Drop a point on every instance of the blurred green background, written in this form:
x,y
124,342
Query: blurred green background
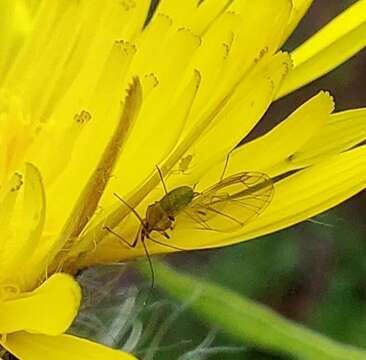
x,y
313,273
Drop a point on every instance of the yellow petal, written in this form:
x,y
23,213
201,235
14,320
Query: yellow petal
x,y
312,135
34,70
35,347
34,211
49,309
15,25
341,132
297,129
266,16
9,195
82,68
70,134
242,45
269,18
151,43
19,244
179,11
206,13
212,60
159,112
241,113
26,240
88,200
284,140
230,50
299,9
150,149
73,136
333,44
91,28
310,192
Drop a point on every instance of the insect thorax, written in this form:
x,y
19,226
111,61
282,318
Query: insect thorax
x,y
157,218
176,200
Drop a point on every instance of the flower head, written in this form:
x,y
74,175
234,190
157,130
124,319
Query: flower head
x,y
210,79
36,305
94,115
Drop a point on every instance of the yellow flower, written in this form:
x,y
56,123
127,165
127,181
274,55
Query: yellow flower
x,y
34,312
36,306
199,78
208,74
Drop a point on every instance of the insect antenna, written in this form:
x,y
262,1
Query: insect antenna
x,y
152,272
162,179
133,245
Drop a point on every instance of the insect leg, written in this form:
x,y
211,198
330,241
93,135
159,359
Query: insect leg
x,y
225,166
121,238
166,245
139,231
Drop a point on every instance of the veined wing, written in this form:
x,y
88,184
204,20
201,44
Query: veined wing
x,y
229,204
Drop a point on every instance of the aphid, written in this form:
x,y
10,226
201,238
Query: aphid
x,y
225,206
160,216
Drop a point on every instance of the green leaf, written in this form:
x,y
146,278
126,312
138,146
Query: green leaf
x,y
249,321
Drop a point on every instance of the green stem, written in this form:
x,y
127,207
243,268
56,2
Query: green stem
x,y
249,321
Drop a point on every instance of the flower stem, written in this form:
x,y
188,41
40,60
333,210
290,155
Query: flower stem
x,y
251,322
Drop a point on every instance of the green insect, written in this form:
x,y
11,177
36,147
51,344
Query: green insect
x,y
160,216
223,207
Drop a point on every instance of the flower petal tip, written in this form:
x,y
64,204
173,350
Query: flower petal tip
x,y
329,97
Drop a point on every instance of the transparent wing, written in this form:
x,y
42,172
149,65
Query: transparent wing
x,y
229,204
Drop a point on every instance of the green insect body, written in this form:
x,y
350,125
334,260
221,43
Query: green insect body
x,y
160,216
177,199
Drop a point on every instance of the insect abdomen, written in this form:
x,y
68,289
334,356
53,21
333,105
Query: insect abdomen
x,y
177,199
